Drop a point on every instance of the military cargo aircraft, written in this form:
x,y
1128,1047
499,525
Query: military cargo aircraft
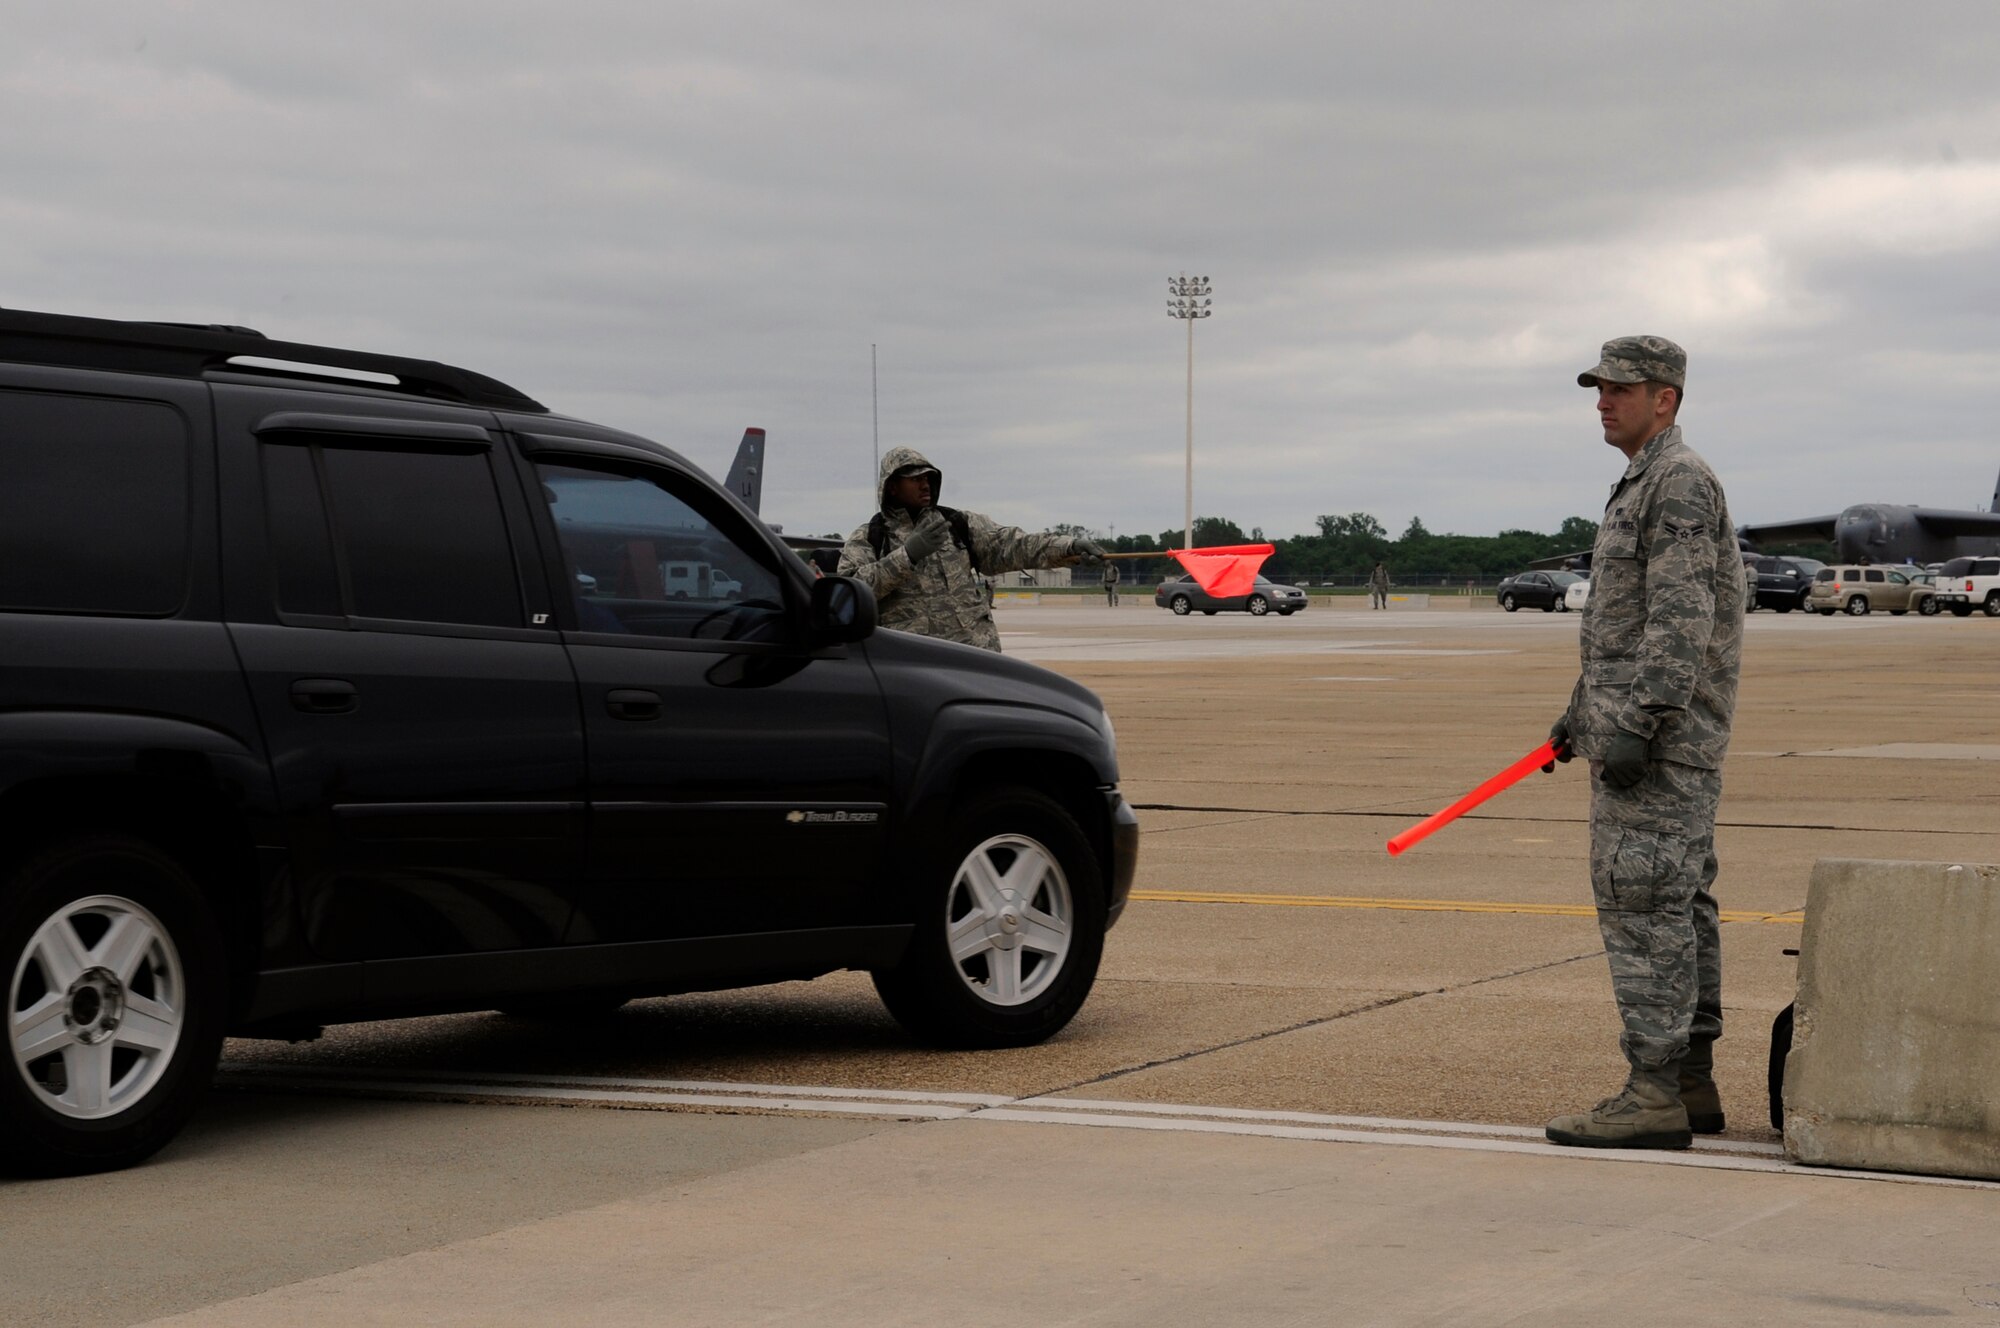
x,y
1866,533
1891,532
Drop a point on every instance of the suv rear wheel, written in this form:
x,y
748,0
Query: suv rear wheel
x,y
1010,928
113,1006
1993,604
1928,606
1857,605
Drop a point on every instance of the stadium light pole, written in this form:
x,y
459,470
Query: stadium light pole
x,y
1190,301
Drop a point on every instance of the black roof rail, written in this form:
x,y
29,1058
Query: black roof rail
x,y
195,350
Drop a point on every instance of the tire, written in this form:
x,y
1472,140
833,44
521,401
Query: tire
x,y
1180,604
1961,610
1784,608
1992,604
1897,613
1286,613
1257,606
1928,606
1549,607
1781,1047
1826,613
1015,879
1208,613
1857,606
123,930
1509,603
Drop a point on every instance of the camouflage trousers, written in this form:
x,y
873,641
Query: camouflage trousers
x,y
1652,863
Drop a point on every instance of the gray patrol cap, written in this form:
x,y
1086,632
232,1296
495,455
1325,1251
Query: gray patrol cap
x,y
1638,360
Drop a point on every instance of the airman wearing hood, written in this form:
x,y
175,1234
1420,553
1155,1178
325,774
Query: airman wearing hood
x,y
919,558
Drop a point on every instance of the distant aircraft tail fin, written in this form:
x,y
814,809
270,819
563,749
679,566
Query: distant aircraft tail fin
x,y
746,472
1996,497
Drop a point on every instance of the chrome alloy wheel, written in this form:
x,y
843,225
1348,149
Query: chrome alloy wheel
x,y
95,1007
1009,920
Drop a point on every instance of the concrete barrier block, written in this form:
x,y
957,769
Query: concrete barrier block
x,y
1895,1060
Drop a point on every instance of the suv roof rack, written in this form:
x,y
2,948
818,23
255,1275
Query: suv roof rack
x,y
194,350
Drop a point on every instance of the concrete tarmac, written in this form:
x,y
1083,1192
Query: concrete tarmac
x,y
1461,987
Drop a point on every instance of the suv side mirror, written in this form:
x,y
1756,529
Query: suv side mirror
x,y
841,609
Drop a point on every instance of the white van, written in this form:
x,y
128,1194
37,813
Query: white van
x,y
685,580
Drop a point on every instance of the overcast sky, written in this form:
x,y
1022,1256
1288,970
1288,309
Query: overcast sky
x,y
1420,220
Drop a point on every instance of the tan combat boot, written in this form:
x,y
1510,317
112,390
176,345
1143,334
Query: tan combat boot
x,y
1697,1088
1647,1114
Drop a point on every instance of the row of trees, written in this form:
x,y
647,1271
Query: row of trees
x,y
1349,546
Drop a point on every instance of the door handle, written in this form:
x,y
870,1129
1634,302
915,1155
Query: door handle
x,y
325,696
632,703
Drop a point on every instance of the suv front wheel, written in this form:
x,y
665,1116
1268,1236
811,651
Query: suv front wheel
x,y
114,993
1010,928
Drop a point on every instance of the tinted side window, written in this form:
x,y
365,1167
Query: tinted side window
x,y
422,536
1986,567
1872,574
302,565
644,556
1826,574
93,504
1956,567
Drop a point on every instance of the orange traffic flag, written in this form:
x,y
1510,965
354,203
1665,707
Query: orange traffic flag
x,y
1226,569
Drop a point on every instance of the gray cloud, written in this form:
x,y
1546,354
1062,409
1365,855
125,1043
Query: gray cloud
x,y
1421,220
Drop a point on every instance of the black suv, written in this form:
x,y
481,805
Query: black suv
x,y
340,686
1782,583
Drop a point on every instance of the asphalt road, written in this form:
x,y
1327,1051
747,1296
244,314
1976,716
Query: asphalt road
x,y
1283,999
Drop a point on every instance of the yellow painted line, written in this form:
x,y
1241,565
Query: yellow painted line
x,y
1420,905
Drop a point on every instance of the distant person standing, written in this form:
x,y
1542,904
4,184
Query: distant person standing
x,y
1378,587
1661,640
1110,584
923,561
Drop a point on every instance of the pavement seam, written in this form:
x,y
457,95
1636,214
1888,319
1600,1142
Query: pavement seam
x,y
1382,1004
1263,813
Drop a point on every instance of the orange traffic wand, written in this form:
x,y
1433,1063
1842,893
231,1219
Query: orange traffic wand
x,y
1507,778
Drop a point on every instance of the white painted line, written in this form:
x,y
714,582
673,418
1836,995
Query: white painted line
x,y
407,1088
257,1068
1650,1156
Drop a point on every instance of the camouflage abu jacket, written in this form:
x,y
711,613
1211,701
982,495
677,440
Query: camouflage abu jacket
x,y
1662,631
939,597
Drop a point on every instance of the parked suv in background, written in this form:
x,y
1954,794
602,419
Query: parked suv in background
x,y
1852,589
1965,584
1784,584
328,700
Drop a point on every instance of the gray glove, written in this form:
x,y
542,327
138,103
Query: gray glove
x,y
1625,759
1084,548
929,536
1559,735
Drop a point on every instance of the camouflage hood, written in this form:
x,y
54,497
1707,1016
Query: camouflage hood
x,y
895,459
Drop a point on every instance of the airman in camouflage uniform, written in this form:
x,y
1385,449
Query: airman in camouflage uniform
x,y
1662,635
920,562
